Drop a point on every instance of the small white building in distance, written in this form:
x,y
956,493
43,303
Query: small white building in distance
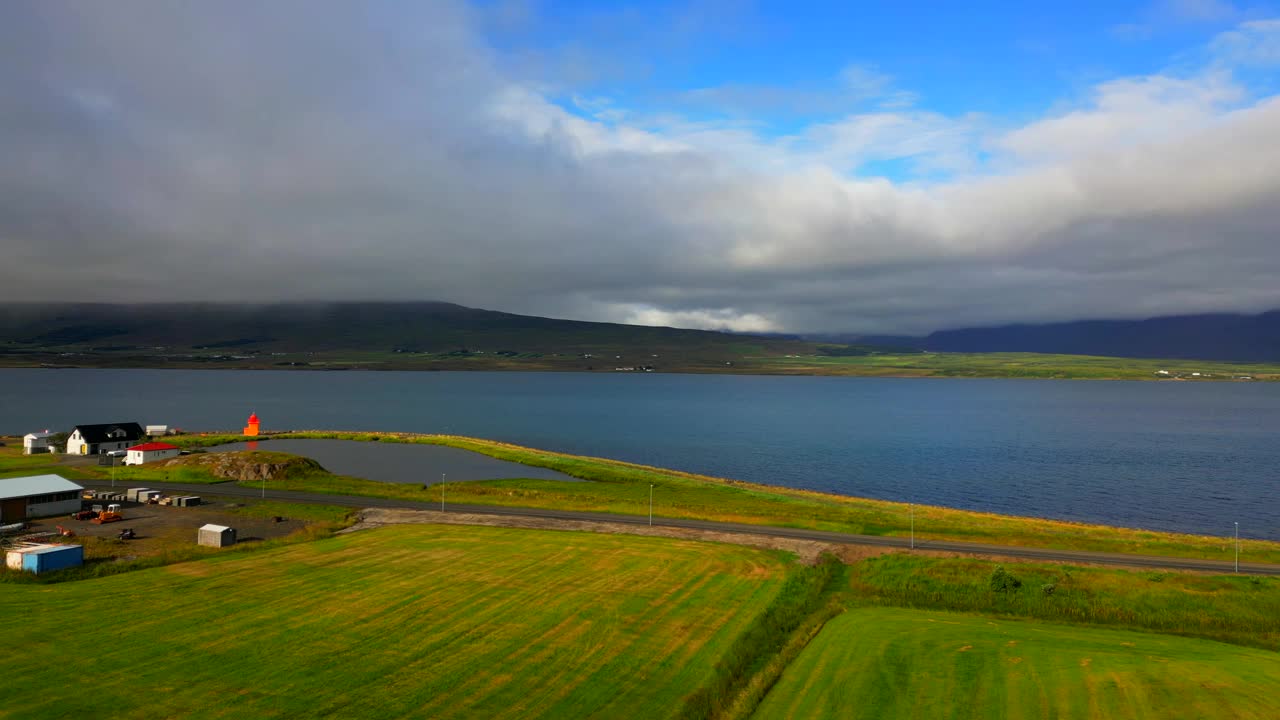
x,y
36,442
37,496
157,430
217,536
150,452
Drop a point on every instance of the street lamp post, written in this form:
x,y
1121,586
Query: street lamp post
x,y
1237,546
651,504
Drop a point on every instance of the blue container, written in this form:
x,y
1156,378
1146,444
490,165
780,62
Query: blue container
x,y
53,558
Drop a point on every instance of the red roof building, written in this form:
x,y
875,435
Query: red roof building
x,y
150,452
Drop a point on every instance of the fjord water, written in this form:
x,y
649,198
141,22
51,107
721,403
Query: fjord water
x,y
1185,457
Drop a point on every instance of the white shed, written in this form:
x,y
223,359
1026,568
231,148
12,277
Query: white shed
x,y
36,442
217,535
157,430
150,452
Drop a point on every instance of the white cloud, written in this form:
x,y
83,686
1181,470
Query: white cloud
x,y
1254,43
702,319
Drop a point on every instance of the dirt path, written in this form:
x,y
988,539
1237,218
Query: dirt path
x,y
807,550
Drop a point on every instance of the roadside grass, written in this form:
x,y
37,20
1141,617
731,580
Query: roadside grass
x,y
1243,610
899,663
14,464
623,488
404,621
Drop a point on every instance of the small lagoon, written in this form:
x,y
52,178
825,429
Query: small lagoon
x,y
400,462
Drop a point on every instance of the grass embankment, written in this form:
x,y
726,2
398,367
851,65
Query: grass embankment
x,y
623,488
891,663
407,621
1231,608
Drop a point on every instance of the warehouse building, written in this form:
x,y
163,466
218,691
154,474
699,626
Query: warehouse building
x,y
37,496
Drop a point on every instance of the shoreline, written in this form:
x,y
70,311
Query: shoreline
x,y
890,517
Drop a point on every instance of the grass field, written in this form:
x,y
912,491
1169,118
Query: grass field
x,y
405,621
895,663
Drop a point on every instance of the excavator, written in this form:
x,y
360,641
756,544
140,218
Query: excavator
x,y
110,515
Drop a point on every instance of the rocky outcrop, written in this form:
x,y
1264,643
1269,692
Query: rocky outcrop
x,y
249,466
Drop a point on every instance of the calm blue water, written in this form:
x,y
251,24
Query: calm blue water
x,y
1189,457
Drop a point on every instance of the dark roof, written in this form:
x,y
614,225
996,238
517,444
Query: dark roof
x,y
103,433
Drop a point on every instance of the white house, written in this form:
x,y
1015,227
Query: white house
x,y
150,452
37,496
36,442
98,439
157,430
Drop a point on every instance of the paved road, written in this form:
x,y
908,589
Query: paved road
x,y
1067,556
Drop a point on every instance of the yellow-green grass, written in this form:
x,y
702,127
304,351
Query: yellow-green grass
x,y
1230,608
621,487
896,663
404,621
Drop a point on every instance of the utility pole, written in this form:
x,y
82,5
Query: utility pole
x,y
650,504
441,492
912,508
1237,546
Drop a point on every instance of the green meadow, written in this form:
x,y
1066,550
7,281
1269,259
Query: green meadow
x,y
405,621
896,663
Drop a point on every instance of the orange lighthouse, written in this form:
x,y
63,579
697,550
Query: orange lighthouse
x,y
252,428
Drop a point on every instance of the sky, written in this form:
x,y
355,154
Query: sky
x,y
862,167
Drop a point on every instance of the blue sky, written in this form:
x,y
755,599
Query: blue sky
x,y
778,67
841,167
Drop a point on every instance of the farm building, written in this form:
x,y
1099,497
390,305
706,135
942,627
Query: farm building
x,y
217,535
37,496
36,558
36,442
98,439
157,430
150,452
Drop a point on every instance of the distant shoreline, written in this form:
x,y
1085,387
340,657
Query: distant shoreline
x,y
1028,366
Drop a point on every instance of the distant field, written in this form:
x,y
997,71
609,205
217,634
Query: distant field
x,y
893,663
1011,365
407,621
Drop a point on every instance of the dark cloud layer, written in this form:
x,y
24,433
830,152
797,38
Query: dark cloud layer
x,y
307,150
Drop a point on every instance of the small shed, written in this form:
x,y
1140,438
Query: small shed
x,y
150,452
217,536
36,442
